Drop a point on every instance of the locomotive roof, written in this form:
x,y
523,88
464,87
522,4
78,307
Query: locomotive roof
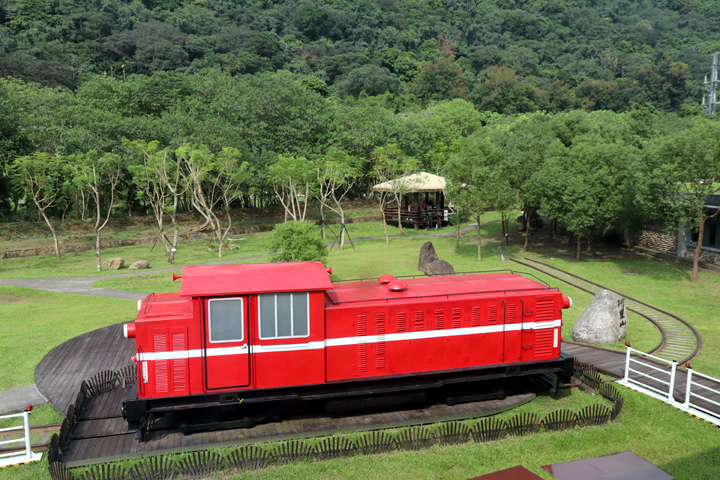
x,y
214,280
503,283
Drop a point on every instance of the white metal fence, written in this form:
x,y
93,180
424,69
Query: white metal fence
x,y
658,379
26,456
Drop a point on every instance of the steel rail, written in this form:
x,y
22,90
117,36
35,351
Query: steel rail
x,y
678,336
37,446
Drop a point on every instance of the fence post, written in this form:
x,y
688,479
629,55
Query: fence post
x,y
673,367
627,363
26,420
688,387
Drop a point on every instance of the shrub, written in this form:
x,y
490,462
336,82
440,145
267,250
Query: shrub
x,y
297,242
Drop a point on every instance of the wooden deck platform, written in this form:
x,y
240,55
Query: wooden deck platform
x,y
59,374
107,438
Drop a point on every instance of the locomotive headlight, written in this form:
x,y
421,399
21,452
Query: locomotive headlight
x,y
139,305
567,302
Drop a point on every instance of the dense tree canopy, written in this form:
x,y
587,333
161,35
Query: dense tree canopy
x,y
568,107
520,54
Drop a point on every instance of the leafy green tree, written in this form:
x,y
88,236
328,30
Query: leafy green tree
x,y
504,92
43,174
684,170
583,182
99,175
440,80
392,166
312,21
371,79
524,144
290,178
297,242
213,179
471,182
157,173
336,176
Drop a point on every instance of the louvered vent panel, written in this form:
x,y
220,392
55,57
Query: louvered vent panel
x,y
439,319
380,329
179,365
475,316
362,346
544,310
160,344
492,315
401,321
512,313
419,319
362,325
456,318
544,343
362,357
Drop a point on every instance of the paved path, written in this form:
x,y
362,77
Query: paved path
x,y
84,285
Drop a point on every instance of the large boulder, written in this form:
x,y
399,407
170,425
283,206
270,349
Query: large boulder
x,y
604,321
113,263
439,267
140,265
427,256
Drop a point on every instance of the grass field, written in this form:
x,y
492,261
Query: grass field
x,y
34,322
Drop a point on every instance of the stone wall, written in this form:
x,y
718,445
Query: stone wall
x,y
655,238
708,256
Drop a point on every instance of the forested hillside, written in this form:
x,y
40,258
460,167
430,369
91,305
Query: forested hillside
x,y
504,55
588,109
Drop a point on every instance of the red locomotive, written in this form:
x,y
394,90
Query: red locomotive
x,y
240,338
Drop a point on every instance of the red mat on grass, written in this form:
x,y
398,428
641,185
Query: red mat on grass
x,y
621,466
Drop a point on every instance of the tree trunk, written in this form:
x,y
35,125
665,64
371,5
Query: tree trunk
x,y
382,212
479,239
552,223
342,230
399,213
97,250
54,234
577,252
173,249
527,228
698,248
322,220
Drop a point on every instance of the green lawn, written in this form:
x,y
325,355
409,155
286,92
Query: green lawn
x,y
34,322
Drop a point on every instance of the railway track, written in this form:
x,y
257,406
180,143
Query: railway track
x,y
44,430
680,341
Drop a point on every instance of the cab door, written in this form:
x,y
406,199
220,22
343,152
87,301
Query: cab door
x,y
226,347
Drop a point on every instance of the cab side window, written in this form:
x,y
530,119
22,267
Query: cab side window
x,y
226,320
283,315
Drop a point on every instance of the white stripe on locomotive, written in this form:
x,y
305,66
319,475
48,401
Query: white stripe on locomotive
x,y
347,341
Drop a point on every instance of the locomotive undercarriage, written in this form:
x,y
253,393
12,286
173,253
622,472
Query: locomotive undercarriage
x,y
244,408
